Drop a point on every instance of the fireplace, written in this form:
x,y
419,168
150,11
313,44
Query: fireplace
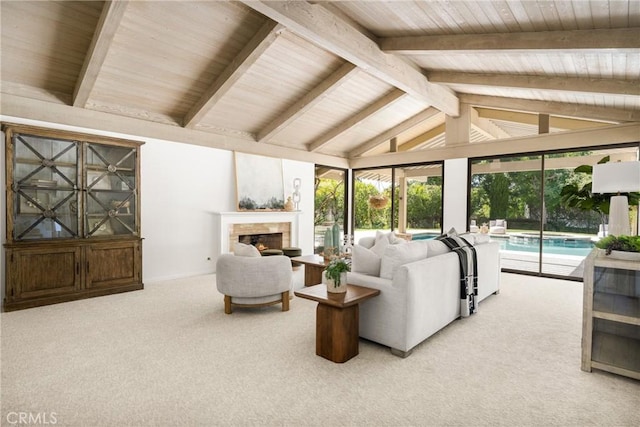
x,y
232,226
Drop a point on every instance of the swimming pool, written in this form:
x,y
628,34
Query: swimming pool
x,y
558,244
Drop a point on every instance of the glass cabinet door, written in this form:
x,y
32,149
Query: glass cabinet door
x,y
45,190
111,188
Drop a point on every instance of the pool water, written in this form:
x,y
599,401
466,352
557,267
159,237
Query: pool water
x,y
547,248
530,242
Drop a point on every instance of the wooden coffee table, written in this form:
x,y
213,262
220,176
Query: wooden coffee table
x,y
337,319
313,267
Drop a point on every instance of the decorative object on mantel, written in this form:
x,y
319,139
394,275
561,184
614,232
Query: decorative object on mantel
x,y
288,205
336,275
259,183
620,247
297,182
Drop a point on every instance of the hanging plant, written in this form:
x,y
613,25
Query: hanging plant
x,y
378,201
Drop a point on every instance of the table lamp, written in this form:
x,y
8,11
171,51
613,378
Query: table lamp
x,y
617,177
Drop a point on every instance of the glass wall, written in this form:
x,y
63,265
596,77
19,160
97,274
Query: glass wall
x,y
330,203
540,207
407,200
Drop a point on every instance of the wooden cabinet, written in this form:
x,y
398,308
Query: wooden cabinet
x,y
73,222
611,315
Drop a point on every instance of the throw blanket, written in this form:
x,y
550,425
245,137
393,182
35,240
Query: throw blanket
x,y
468,272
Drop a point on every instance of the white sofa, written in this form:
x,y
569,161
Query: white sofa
x,y
422,296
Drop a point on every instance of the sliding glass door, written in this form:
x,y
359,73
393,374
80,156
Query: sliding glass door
x,y
330,203
526,204
403,199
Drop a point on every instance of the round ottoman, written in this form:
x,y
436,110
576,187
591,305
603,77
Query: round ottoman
x,y
270,252
293,252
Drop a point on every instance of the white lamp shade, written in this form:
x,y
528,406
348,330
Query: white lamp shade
x,y
616,177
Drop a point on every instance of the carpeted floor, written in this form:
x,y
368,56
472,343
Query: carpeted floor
x,y
168,355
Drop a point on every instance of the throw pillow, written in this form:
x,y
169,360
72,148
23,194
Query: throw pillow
x,y
499,222
470,238
452,232
436,247
397,255
365,261
242,249
382,241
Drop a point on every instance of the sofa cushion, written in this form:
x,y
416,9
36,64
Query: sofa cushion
x,y
242,249
480,238
365,261
397,255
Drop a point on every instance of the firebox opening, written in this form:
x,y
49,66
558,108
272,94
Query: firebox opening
x,y
262,241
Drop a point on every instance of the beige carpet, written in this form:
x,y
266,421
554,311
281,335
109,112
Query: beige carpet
x,y
169,355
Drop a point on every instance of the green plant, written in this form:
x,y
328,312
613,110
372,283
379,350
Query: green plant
x,y
336,267
619,243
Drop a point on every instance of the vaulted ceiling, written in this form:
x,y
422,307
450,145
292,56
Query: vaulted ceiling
x,y
343,78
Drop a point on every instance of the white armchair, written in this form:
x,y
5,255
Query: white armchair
x,y
498,226
254,281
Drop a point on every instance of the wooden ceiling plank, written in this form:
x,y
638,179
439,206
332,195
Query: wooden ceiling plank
x,y
554,108
249,54
357,118
393,132
313,97
588,85
112,13
422,139
321,27
607,39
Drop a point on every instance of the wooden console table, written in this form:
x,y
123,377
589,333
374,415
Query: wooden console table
x,y
313,267
337,319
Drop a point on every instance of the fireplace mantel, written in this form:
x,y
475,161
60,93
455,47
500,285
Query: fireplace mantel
x,y
225,220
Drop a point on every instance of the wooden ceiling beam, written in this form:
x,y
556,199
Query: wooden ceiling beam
x,y
249,54
578,139
112,13
608,39
570,84
533,119
357,118
311,98
486,127
322,28
393,132
554,108
423,139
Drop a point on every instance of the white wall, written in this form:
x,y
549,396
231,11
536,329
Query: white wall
x,y
455,195
181,186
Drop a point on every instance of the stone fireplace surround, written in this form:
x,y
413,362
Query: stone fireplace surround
x,y
230,225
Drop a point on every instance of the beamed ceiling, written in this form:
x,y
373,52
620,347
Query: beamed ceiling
x,y
323,80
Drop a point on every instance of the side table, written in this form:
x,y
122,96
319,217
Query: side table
x,y
313,267
337,319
